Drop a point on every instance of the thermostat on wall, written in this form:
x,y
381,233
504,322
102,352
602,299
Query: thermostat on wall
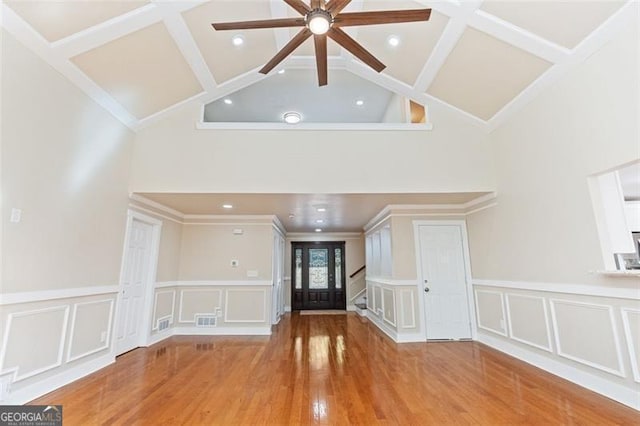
x,y
238,231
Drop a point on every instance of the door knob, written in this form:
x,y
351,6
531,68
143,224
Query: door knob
x,y
426,289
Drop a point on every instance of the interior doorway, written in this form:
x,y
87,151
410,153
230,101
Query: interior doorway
x,y
138,272
318,275
443,270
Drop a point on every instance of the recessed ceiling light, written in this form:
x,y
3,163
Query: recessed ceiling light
x,y
228,101
393,41
281,72
321,209
318,230
319,221
292,117
237,40
227,206
359,102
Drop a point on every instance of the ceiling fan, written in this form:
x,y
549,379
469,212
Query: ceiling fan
x,y
322,19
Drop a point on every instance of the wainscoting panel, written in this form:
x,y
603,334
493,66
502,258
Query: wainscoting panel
x,y
407,309
587,333
389,305
571,330
34,341
90,328
246,305
377,299
201,301
527,320
164,307
490,311
631,321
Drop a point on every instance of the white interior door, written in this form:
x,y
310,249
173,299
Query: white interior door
x,y
134,281
444,282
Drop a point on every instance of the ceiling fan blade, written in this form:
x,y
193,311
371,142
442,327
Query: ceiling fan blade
x,y
298,5
267,23
321,58
381,17
344,40
317,4
335,6
286,50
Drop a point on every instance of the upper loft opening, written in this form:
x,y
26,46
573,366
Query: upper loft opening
x,y
348,100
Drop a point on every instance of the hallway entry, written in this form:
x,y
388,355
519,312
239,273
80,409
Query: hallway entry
x,y
318,276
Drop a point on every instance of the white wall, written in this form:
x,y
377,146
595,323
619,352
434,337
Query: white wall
x,y
533,253
65,163
543,228
174,156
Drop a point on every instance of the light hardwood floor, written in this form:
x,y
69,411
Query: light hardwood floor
x,y
336,369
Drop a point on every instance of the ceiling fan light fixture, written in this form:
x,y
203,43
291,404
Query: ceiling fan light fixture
x,y
292,117
319,21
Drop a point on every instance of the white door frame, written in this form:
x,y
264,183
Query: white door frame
x,y
467,271
150,278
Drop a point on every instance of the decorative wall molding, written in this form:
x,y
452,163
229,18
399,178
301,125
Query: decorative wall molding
x,y
632,293
403,308
326,236
461,209
266,301
51,383
391,282
158,206
204,290
218,283
623,394
155,306
509,297
17,376
107,342
502,313
390,319
65,293
614,330
631,349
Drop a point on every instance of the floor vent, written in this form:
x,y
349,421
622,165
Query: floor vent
x,y
163,324
206,321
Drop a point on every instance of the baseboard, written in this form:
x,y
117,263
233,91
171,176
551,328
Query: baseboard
x,y
221,331
384,328
619,393
351,308
411,338
42,387
159,337
287,308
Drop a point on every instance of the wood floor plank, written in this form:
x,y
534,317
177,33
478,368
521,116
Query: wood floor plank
x,y
328,369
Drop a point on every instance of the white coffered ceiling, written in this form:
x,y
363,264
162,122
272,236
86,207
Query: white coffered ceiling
x,y
143,60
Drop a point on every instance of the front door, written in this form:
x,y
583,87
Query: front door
x,y
444,282
318,276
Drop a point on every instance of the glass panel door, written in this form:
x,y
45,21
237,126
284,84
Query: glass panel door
x,y
318,277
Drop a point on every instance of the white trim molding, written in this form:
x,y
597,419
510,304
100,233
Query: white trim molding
x,y
614,330
61,343
171,317
204,290
623,394
509,297
107,341
391,282
65,293
265,298
631,349
502,313
632,293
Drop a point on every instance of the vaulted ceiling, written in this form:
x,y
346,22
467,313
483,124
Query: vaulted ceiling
x,y
144,60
